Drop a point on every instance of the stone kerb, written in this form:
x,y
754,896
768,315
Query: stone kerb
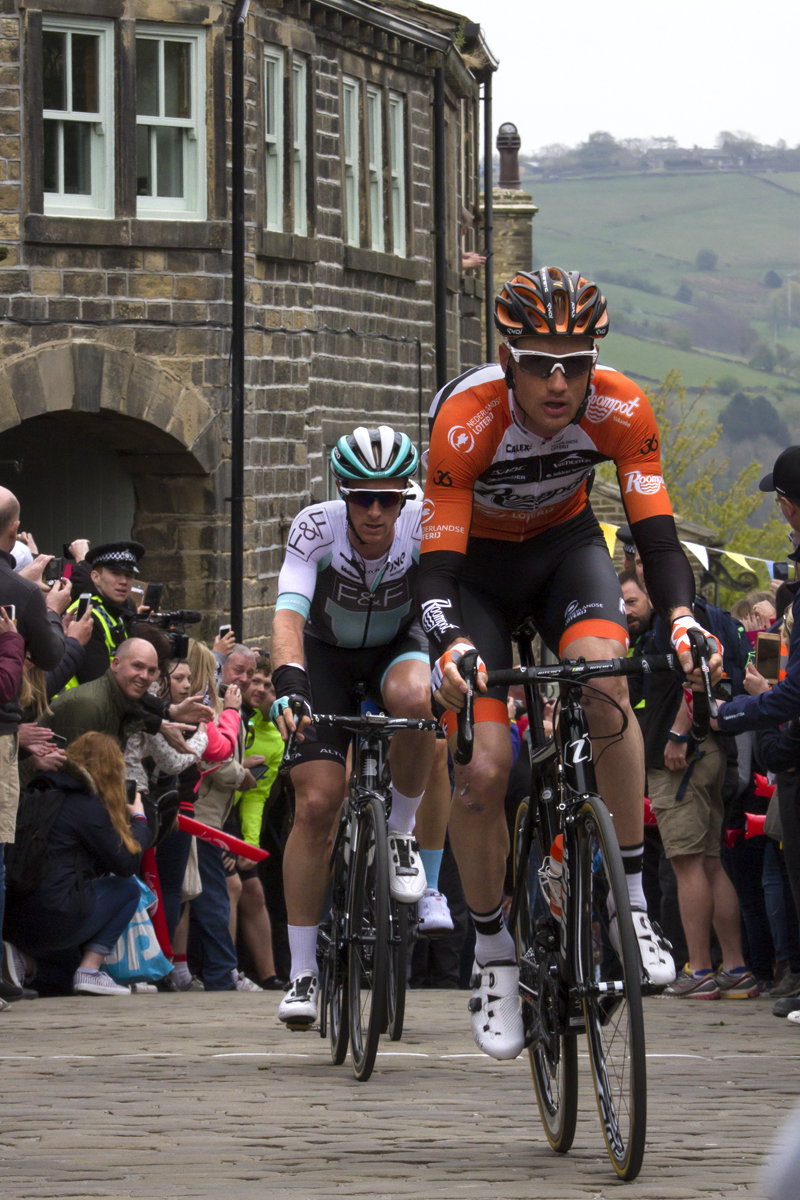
x,y
87,376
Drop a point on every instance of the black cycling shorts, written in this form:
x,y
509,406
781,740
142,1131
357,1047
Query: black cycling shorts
x,y
563,579
335,674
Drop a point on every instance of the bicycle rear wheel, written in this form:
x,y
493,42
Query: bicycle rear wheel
x,y
553,1055
397,968
610,970
368,934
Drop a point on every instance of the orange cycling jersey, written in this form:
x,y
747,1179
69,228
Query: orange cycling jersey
x,y
490,478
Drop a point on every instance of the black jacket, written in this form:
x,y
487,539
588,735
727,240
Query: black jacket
x,y
39,626
83,845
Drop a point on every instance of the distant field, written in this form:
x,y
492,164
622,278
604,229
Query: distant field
x,y
649,361
658,223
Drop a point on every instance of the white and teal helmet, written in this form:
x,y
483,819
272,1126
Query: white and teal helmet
x,y
369,454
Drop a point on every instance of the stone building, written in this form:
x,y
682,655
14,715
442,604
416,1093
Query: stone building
x,y
115,289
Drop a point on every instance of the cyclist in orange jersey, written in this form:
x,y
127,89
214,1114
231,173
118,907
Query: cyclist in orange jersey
x,y
508,533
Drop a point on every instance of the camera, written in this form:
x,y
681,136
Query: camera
x,y
173,623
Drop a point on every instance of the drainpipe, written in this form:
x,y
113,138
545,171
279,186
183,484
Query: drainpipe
x,y
488,216
439,229
237,318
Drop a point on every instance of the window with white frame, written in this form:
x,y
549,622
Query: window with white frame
x,y
375,166
351,159
170,123
299,144
78,113
273,135
397,171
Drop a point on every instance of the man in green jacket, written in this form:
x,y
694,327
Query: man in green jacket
x,y
106,704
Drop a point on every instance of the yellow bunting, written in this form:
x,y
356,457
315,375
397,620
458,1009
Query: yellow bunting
x,y
610,534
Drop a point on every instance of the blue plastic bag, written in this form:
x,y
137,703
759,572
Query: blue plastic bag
x,y
137,956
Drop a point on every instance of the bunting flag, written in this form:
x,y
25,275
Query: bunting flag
x,y
740,559
610,534
700,552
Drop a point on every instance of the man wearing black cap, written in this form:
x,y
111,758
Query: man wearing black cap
x,y
767,707
107,572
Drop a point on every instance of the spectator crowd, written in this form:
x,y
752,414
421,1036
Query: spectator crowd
x,y
118,730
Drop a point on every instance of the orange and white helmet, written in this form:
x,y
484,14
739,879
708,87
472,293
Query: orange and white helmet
x,y
551,301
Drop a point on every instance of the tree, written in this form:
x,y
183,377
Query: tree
x,y
684,294
601,150
698,481
681,338
772,280
706,260
727,385
763,359
746,416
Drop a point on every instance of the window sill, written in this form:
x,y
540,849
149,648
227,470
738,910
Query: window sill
x,y
357,259
127,231
272,244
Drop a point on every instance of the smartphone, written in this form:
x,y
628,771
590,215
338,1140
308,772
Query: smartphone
x,y
131,789
84,601
224,630
67,553
780,570
11,612
152,597
67,571
258,772
768,655
54,570
59,739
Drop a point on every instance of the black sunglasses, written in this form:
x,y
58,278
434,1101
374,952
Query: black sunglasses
x,y
365,499
542,366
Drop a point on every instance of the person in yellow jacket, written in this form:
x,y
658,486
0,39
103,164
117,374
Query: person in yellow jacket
x,y
248,907
107,572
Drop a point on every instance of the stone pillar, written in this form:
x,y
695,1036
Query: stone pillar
x,y
514,211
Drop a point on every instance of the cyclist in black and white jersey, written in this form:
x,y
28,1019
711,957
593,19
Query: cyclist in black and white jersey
x,y
346,615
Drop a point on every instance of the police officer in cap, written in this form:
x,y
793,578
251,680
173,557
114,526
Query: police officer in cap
x,y
107,572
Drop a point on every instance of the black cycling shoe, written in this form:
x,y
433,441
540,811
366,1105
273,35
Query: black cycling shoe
x,y
786,1004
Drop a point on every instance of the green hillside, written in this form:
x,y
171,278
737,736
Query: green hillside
x,y
639,236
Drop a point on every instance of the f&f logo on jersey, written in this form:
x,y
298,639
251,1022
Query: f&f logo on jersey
x,y
645,485
601,407
428,510
461,439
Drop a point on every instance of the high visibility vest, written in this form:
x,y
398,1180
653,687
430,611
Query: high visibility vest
x,y
114,631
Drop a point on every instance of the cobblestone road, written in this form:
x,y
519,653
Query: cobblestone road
x,y
207,1096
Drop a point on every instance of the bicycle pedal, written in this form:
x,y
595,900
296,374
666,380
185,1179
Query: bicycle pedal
x,y
300,1026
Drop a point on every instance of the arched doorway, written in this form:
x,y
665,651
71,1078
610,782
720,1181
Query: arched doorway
x,y
69,483
113,445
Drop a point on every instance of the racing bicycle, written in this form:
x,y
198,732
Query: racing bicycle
x,y
362,947
580,967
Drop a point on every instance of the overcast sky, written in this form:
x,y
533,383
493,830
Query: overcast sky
x,y
686,69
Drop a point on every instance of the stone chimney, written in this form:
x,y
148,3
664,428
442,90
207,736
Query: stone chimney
x,y
514,211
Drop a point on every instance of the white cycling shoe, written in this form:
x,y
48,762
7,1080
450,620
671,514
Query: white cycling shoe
x,y
407,882
433,914
657,961
298,1008
495,1008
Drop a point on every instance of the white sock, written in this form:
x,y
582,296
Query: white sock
x,y
404,810
181,974
632,858
493,942
303,945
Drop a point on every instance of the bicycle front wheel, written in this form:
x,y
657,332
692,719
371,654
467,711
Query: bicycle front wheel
x,y
397,968
610,972
553,1054
368,935
336,962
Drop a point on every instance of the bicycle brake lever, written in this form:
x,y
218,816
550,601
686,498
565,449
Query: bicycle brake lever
x,y
699,656
467,668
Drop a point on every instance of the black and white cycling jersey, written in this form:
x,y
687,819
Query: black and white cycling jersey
x,y
347,600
